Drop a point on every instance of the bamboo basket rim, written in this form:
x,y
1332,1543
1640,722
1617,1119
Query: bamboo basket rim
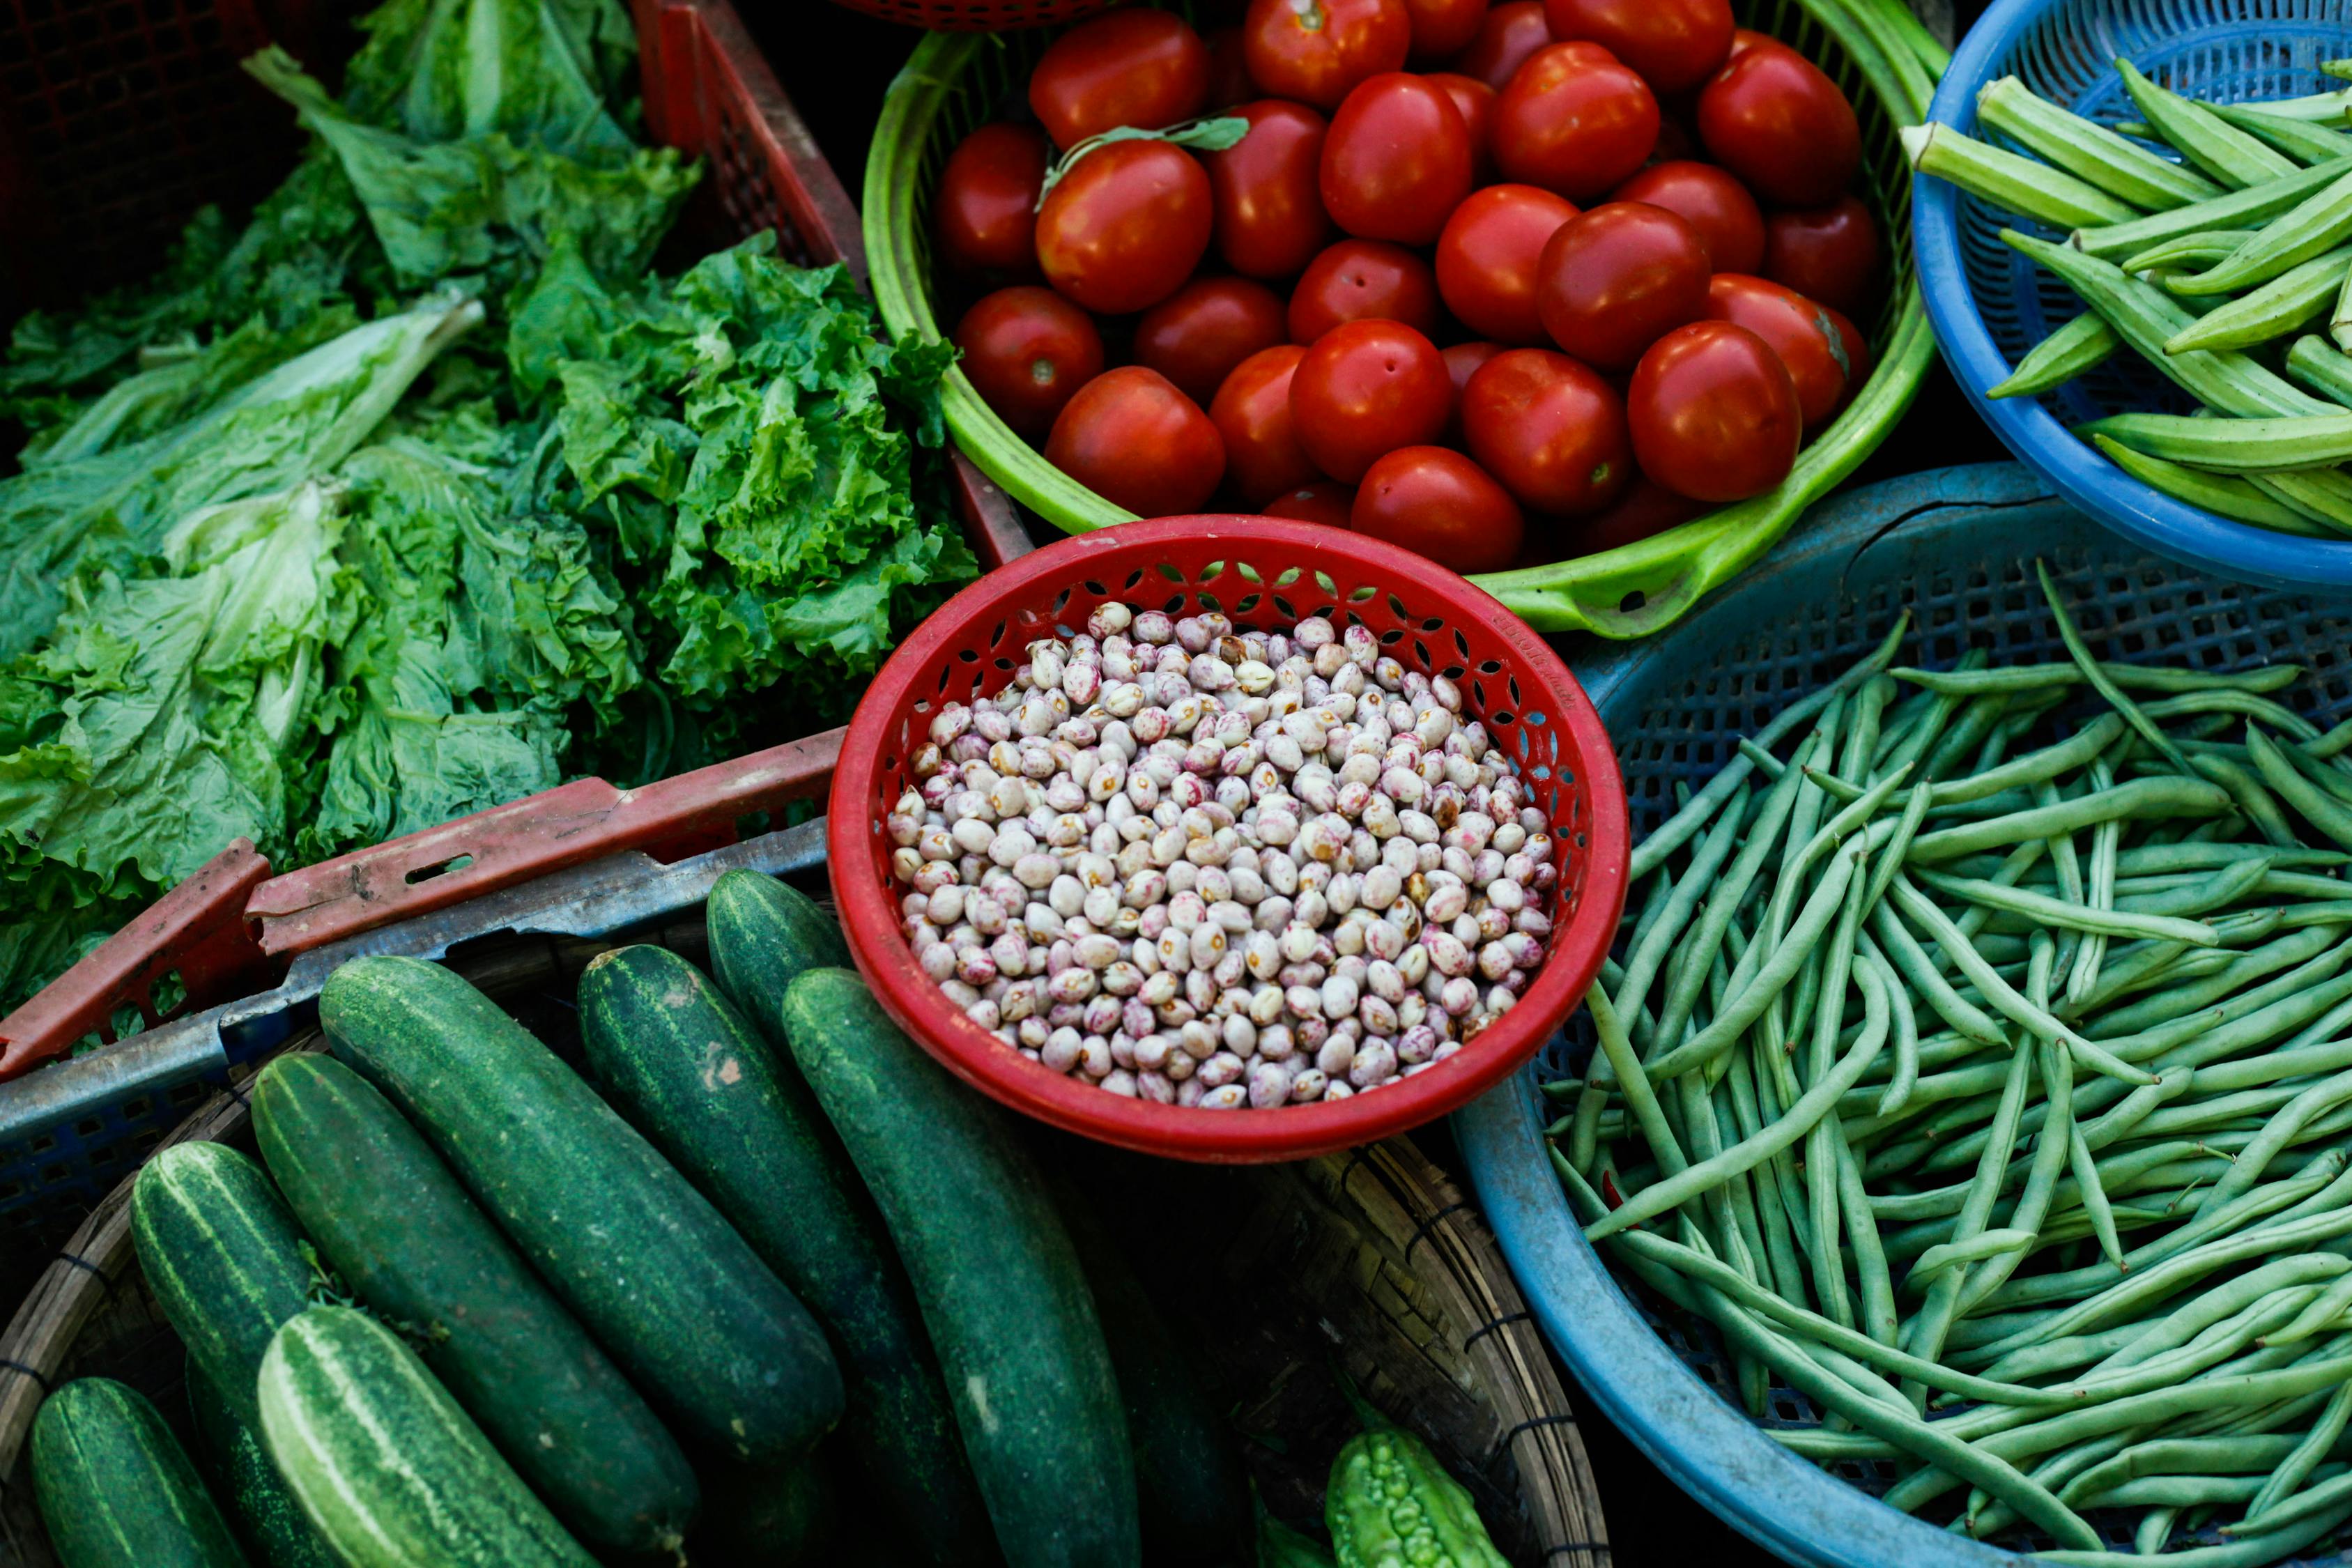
x,y
1420,1216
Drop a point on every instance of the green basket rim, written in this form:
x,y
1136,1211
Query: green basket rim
x,y
1628,592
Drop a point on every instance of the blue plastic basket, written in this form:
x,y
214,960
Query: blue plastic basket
x,y
1988,304
1956,548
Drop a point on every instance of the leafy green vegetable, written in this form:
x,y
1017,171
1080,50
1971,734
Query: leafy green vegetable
x,y
420,492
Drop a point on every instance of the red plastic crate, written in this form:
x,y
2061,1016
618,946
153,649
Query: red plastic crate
x,y
231,928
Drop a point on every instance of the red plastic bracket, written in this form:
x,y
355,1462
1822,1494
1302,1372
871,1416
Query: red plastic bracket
x,y
198,927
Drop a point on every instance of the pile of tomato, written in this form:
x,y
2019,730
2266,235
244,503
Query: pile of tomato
x,y
1589,272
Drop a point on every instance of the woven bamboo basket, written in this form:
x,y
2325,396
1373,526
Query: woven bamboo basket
x,y
1371,1263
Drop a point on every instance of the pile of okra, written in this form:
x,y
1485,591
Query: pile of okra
x,y
1977,1059
2206,264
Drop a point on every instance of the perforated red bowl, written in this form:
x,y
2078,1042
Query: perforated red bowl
x,y
977,15
1266,573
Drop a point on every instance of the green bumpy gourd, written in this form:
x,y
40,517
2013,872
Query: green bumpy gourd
x,y
115,1488
1391,1505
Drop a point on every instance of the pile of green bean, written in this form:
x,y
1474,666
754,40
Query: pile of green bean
x,y
1978,1060
2206,267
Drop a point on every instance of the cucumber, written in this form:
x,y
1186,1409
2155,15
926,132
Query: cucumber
x,y
1190,1494
238,1467
680,1300
389,1471
404,1236
115,1488
764,932
775,1517
997,1278
684,1066
221,1252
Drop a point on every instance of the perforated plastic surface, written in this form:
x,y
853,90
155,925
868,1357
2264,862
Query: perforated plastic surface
x,y
1956,549
1265,574
1989,304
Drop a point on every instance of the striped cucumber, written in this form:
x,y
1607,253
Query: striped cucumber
x,y
1000,1284
221,1252
677,1297
403,1235
274,1526
682,1063
389,1471
115,1488
762,933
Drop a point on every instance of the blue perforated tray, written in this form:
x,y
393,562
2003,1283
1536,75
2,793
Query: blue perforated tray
x,y
1955,547
1988,304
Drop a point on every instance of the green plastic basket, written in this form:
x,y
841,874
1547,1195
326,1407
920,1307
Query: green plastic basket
x,y
1874,50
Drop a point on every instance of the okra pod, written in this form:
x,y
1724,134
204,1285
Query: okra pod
x,y
2323,108
2204,138
2202,249
2223,495
2082,344
2322,367
2319,225
2008,182
2249,208
2089,150
2323,495
2272,310
2232,446
2305,141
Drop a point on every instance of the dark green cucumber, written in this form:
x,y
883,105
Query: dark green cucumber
x,y
115,1488
222,1253
403,1235
764,934
779,1516
998,1280
239,1469
684,1066
1191,1495
389,1471
680,1299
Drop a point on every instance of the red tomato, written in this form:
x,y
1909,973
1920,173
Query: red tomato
x,y
1270,219
1575,122
1549,430
1612,280
1474,100
1317,51
1711,202
1135,440
1325,502
1126,227
986,211
1229,79
1796,328
1645,508
1511,32
1134,66
1397,161
1462,361
1671,44
1364,389
1196,336
1028,351
1443,29
1486,259
1360,280
1439,504
1772,118
1856,349
1830,254
1263,457
1713,412
1746,38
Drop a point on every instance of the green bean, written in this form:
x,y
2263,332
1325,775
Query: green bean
x,y
2297,1466
2009,183
2246,1553
1803,842
2082,346
1631,1081
2322,1315
1677,831
2329,1498
1641,961
2316,806
2242,969
2205,140
2058,911
2246,792
2154,1530
2088,149
1916,741
2092,1194
1976,721
1957,1253
2321,1097
2145,797
2272,310
1798,1121
1912,963
2101,680
2051,1152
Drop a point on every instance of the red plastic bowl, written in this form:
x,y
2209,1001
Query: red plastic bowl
x,y
1264,573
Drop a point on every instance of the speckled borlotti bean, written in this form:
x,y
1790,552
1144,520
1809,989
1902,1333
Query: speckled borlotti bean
x,y
1216,867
